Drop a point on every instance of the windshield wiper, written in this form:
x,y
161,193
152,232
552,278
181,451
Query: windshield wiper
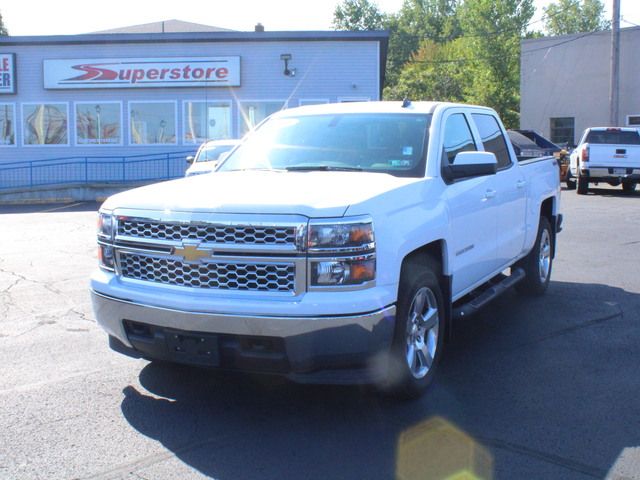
x,y
324,168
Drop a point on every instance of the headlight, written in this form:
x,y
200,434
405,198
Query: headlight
x,y
341,237
341,253
347,271
105,240
105,226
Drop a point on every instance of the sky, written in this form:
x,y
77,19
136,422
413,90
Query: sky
x,y
27,17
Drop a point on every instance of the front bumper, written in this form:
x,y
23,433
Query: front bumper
x,y
333,349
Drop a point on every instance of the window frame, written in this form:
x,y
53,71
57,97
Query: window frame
x,y
633,125
45,145
226,103
75,123
15,130
130,130
551,130
315,101
474,135
240,103
504,139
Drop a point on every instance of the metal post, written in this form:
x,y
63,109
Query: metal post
x,y
614,88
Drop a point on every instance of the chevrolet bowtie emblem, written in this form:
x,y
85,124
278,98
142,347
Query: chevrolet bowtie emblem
x,y
191,253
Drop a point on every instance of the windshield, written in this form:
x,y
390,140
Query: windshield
x,y
210,154
389,143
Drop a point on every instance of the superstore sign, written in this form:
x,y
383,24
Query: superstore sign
x,y
7,73
142,72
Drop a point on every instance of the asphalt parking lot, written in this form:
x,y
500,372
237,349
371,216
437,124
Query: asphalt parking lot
x,y
530,388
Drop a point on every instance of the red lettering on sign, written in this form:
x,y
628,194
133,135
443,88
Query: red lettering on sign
x,y
222,72
152,74
4,66
175,74
163,72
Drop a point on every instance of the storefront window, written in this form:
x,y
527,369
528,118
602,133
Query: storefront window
x,y
252,113
152,123
206,121
45,124
98,123
7,124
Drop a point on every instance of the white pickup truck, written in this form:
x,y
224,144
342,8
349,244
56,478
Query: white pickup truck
x,y
608,155
336,244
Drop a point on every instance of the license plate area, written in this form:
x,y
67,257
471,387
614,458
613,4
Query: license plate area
x,y
619,171
196,349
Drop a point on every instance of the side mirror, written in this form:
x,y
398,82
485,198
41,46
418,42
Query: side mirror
x,y
190,159
473,164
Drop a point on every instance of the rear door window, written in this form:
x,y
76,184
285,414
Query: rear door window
x,y
613,137
492,138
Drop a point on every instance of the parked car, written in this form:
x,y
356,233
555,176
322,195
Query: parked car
x,y
608,155
208,155
337,243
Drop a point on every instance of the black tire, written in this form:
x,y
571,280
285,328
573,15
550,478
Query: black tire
x,y
538,263
418,281
571,183
629,187
583,185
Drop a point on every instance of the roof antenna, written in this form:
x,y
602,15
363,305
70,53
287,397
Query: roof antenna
x,y
406,103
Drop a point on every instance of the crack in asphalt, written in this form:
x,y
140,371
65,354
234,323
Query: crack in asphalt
x,y
588,470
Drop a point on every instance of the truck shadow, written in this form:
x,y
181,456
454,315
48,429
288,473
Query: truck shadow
x,y
525,389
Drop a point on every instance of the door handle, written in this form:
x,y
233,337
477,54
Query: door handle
x,y
489,194
521,183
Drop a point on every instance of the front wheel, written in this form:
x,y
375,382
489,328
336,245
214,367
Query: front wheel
x,y
629,187
419,333
537,264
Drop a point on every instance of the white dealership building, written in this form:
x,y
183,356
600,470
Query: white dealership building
x,y
123,96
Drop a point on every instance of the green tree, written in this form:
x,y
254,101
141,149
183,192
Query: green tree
x,y
418,20
3,29
490,47
431,74
357,15
574,16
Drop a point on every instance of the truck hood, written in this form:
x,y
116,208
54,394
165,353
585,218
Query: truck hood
x,y
314,194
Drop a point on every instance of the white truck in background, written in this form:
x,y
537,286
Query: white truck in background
x,y
608,155
336,243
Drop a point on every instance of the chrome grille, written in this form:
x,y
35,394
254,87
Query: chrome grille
x,y
208,233
258,277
